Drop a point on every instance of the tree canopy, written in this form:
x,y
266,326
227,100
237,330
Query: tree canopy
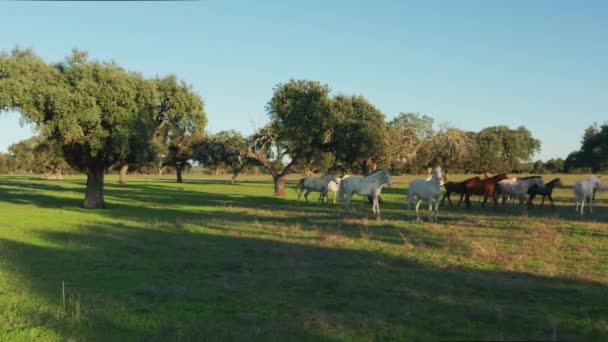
x,y
593,154
99,113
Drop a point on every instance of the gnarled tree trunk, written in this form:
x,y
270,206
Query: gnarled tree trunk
x,y
235,174
279,185
178,171
122,176
94,194
161,170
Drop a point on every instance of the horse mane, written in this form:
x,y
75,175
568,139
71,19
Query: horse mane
x,y
496,175
529,177
377,171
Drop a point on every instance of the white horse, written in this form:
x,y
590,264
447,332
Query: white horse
x,y
518,188
310,184
584,191
369,186
428,190
334,186
508,197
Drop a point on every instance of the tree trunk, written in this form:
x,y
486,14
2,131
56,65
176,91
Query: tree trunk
x,y
94,194
161,170
122,176
235,174
279,185
178,171
368,166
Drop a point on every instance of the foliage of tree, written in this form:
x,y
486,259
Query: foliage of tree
x,y
300,126
593,154
7,163
447,147
181,123
359,132
502,149
23,155
225,149
39,155
94,110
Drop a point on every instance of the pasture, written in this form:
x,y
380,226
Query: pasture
x,y
206,260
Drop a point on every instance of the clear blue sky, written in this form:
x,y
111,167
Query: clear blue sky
x,y
542,64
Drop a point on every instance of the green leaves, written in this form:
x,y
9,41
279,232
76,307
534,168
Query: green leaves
x,y
92,109
593,153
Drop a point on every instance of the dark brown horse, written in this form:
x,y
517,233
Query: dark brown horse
x,y
483,187
455,187
545,192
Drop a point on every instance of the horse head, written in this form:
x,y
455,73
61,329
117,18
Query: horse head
x,y
438,175
383,176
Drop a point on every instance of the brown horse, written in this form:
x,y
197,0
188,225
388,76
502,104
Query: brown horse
x,y
546,192
483,187
455,187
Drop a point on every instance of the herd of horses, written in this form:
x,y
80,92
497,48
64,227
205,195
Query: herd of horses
x,y
499,186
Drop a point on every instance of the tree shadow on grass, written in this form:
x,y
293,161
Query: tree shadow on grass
x,y
168,284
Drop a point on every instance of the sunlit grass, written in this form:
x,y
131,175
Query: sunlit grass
x,y
209,260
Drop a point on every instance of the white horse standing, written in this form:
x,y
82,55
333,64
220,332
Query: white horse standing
x,y
428,190
365,186
319,184
584,191
518,188
334,186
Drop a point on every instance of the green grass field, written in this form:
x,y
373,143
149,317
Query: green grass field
x,y
206,260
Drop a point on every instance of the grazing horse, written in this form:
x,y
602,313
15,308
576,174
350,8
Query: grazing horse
x,y
315,184
546,192
584,190
334,186
518,188
483,187
370,185
455,187
428,190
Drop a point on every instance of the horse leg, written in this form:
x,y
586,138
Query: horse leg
x,y
530,204
324,196
299,194
347,201
460,200
582,206
447,194
551,199
376,204
590,205
522,204
417,206
306,195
